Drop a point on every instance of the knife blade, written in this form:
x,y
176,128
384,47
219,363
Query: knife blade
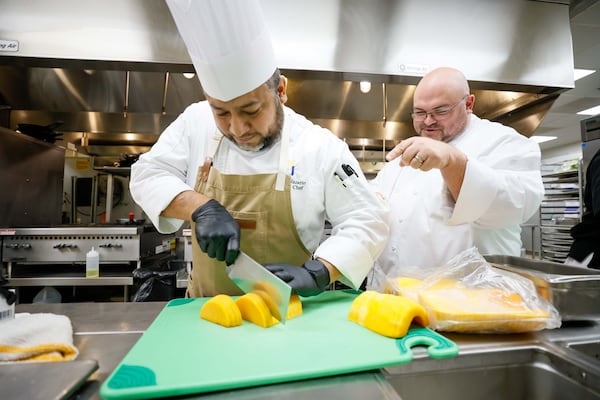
x,y
250,276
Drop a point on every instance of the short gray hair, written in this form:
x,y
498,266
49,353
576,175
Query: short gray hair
x,y
273,82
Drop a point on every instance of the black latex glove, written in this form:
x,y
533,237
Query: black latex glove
x,y
309,279
217,233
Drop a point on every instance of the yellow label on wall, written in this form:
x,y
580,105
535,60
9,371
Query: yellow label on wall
x,y
82,164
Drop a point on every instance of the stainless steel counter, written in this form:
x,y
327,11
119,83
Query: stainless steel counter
x,y
106,331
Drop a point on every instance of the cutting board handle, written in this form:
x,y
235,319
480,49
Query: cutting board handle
x,y
438,346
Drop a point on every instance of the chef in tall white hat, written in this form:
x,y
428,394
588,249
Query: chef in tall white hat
x,y
249,173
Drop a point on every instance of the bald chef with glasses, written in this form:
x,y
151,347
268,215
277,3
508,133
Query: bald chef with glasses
x,y
462,182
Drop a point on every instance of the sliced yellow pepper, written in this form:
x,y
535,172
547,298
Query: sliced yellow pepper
x,y
221,310
295,307
386,314
255,310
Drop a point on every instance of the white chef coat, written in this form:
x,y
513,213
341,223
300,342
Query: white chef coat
x,y
358,217
502,188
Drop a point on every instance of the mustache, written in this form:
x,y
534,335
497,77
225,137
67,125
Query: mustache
x,y
432,126
436,127
247,135
232,137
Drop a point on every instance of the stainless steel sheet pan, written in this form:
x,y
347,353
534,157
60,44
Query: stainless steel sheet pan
x,y
574,291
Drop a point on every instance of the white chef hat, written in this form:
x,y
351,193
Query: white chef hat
x,y
228,42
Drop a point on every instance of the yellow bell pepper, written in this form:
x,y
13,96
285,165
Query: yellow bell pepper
x,y
386,314
295,307
255,310
222,310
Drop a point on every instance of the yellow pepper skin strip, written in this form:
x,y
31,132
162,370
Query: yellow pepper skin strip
x,y
386,314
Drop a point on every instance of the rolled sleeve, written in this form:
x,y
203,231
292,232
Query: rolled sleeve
x,y
477,193
170,167
353,265
503,189
154,190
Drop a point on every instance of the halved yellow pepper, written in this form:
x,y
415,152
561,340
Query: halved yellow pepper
x,y
222,310
295,307
386,314
253,307
255,310
270,302
269,289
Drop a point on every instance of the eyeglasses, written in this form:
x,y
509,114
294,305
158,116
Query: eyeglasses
x,y
438,114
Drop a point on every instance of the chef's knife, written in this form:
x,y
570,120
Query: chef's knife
x,y
250,276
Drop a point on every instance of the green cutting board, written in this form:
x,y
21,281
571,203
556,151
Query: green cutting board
x,y
181,353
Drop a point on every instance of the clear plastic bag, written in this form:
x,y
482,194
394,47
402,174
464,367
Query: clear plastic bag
x,y
469,295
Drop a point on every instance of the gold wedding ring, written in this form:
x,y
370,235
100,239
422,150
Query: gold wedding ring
x,y
416,157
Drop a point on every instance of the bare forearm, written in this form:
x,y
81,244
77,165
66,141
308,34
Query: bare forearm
x,y
454,173
184,204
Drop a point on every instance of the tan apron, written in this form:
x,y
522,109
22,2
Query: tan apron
x,y
264,213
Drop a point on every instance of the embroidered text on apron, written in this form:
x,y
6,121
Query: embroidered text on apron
x,y
261,204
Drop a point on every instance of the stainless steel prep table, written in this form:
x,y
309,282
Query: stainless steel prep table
x,y
106,331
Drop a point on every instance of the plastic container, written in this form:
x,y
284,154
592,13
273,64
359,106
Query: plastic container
x,y
92,264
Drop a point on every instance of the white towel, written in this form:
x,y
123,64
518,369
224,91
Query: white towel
x,y
36,337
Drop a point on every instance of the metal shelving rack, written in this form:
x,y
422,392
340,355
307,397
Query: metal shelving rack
x,y
560,209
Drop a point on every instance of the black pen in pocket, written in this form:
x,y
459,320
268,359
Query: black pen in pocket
x,y
343,174
339,179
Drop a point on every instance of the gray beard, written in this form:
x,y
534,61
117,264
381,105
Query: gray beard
x,y
264,145
271,139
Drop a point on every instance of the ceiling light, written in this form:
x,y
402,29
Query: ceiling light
x,y
189,75
542,139
582,73
365,86
590,111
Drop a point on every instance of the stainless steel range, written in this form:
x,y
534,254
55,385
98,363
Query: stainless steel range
x,y
70,244
56,256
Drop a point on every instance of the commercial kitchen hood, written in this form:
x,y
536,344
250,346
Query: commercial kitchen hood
x,y
112,71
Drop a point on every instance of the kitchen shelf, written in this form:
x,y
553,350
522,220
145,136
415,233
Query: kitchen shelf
x,y
71,281
28,275
69,275
560,210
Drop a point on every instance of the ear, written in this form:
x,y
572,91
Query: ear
x,y
470,102
282,89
